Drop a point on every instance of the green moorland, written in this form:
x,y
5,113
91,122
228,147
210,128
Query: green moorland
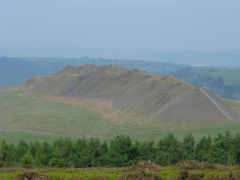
x,y
34,118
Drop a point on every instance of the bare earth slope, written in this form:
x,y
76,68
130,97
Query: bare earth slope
x,y
157,97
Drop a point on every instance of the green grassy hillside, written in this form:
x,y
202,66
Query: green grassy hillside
x,y
163,98
37,118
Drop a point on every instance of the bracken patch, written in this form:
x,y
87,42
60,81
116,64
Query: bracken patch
x,y
139,175
32,175
146,167
195,165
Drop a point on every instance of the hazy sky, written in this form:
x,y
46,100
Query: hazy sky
x,y
68,26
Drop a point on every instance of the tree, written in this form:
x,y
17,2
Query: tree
x,y
147,151
169,150
64,149
88,152
222,148
3,153
203,149
27,159
188,147
80,149
57,160
43,153
21,149
235,151
122,152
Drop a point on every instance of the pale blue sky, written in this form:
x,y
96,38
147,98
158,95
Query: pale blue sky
x,y
68,27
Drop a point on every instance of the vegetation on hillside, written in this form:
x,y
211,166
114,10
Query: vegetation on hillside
x,y
35,118
223,82
136,92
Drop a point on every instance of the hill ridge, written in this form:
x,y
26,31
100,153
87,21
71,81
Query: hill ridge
x,y
155,96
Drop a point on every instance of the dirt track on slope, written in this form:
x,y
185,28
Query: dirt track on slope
x,y
220,107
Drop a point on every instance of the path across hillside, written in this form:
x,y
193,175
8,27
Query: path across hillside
x,y
220,107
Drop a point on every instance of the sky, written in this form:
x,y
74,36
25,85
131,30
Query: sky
x,y
98,27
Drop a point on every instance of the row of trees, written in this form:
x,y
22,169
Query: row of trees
x,y
121,151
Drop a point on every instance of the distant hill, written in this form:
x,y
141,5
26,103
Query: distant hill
x,y
155,97
224,82
16,70
196,58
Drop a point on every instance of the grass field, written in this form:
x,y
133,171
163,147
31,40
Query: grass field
x,y
34,118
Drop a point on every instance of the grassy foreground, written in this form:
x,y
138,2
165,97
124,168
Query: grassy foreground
x,y
172,173
31,118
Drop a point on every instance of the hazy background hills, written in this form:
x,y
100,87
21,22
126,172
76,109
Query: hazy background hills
x,y
15,71
222,81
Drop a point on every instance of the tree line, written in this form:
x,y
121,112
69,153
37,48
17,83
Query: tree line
x,y
121,151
